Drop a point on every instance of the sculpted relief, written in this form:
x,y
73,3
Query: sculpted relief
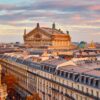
x,y
37,36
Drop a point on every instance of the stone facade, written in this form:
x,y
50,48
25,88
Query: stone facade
x,y
51,83
3,89
51,38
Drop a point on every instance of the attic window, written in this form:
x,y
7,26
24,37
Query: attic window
x,y
87,80
66,75
58,72
62,73
76,76
52,70
92,81
46,68
82,79
71,76
97,83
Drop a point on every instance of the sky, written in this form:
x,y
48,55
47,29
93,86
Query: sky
x,y
80,17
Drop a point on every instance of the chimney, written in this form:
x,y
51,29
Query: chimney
x,y
53,26
38,25
67,32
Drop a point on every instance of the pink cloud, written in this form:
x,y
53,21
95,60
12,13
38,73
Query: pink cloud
x,y
76,17
95,7
6,6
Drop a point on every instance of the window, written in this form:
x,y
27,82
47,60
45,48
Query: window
x,y
66,75
71,76
82,79
72,85
97,94
87,80
80,97
76,77
82,88
76,96
87,90
92,80
97,83
52,70
78,86
92,92
58,72
46,68
62,73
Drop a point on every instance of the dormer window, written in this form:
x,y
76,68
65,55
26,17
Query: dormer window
x,y
97,83
87,79
52,70
62,73
76,76
66,75
71,76
58,72
82,79
46,68
92,80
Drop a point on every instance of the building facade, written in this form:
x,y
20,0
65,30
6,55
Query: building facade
x,y
54,79
3,88
51,38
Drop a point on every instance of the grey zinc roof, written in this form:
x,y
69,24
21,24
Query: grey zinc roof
x,y
75,69
95,73
54,62
86,69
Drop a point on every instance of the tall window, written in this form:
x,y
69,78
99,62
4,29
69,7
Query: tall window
x,y
82,88
87,90
97,94
92,92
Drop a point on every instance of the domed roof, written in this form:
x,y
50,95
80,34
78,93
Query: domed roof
x,y
82,44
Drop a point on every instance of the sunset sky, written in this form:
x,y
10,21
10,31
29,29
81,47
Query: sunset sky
x,y
80,17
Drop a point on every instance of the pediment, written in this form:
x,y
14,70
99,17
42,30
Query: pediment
x,y
38,34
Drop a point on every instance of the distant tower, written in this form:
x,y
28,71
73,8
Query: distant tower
x,y
92,45
24,32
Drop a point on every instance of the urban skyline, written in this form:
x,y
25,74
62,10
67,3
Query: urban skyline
x,y
49,49
79,17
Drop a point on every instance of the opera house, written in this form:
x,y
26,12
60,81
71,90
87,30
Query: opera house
x,y
39,68
47,38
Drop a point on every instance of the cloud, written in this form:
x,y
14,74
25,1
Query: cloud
x,y
74,15
95,7
6,6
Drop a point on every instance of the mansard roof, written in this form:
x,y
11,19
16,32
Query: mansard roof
x,y
89,70
53,62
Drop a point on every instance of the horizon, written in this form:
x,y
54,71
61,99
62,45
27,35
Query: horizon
x,y
80,18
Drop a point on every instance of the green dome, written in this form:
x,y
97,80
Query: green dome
x,y
82,44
